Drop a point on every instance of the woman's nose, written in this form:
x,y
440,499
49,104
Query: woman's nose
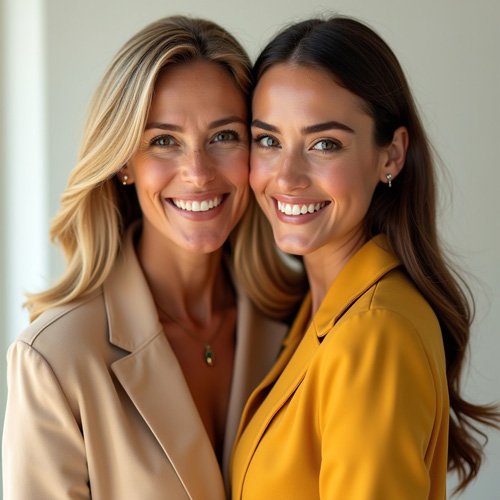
x,y
292,173
198,168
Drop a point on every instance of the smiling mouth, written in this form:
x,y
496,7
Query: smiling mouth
x,y
300,208
198,205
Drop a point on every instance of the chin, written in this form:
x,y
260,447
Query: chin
x,y
203,249
203,245
294,245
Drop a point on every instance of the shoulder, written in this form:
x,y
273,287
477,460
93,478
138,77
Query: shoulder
x,y
394,299
388,339
392,321
61,332
67,348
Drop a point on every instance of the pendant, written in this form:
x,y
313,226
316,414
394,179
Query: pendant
x,y
209,355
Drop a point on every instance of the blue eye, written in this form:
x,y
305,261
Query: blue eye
x,y
327,145
163,141
225,136
266,141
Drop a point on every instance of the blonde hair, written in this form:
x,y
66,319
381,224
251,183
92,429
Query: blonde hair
x,y
95,209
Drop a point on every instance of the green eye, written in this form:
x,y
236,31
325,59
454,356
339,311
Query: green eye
x,y
225,136
163,141
266,141
326,145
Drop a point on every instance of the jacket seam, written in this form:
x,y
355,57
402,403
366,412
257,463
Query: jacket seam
x,y
56,318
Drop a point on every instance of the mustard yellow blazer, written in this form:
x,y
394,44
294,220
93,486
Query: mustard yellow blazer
x,y
98,406
360,410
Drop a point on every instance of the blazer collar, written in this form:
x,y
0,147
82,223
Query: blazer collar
x,y
132,315
367,266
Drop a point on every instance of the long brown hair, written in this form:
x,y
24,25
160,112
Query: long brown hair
x,y
360,61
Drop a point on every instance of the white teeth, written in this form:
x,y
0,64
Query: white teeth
x,y
198,206
296,209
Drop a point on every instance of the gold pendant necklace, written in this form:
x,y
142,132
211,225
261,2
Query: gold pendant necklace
x,y
208,352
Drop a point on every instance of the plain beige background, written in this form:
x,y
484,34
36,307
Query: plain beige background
x,y
53,52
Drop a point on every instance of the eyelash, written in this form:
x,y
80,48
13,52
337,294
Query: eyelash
x,y
155,140
336,145
236,136
257,140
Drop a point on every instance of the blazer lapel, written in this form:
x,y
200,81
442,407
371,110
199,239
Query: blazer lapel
x,y
153,379
288,347
264,403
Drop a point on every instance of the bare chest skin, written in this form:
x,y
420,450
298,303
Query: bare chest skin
x,y
209,385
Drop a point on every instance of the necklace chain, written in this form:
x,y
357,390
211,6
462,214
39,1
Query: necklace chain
x,y
208,352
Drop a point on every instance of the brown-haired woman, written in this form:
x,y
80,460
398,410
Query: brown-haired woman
x,y
358,405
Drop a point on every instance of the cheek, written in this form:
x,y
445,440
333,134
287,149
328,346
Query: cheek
x,y
236,167
259,175
151,173
243,168
357,175
337,179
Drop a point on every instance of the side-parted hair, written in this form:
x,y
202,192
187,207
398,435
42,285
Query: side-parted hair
x,y
95,209
361,62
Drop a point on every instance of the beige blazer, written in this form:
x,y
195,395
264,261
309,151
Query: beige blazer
x,y
98,406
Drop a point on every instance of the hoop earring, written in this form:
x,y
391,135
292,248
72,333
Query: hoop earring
x,y
389,180
124,180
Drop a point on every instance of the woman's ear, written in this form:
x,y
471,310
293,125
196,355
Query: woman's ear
x,y
124,175
395,156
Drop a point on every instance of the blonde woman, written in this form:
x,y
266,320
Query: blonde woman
x,y
130,380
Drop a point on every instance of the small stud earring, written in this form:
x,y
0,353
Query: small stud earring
x,y
389,179
124,180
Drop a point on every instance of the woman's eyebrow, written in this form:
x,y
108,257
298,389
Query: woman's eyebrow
x,y
216,123
227,121
264,126
310,129
320,127
163,126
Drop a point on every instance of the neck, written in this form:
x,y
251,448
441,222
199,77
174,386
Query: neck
x,y
324,265
189,286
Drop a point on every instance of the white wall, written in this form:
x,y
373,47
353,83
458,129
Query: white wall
x,y
3,288
449,49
